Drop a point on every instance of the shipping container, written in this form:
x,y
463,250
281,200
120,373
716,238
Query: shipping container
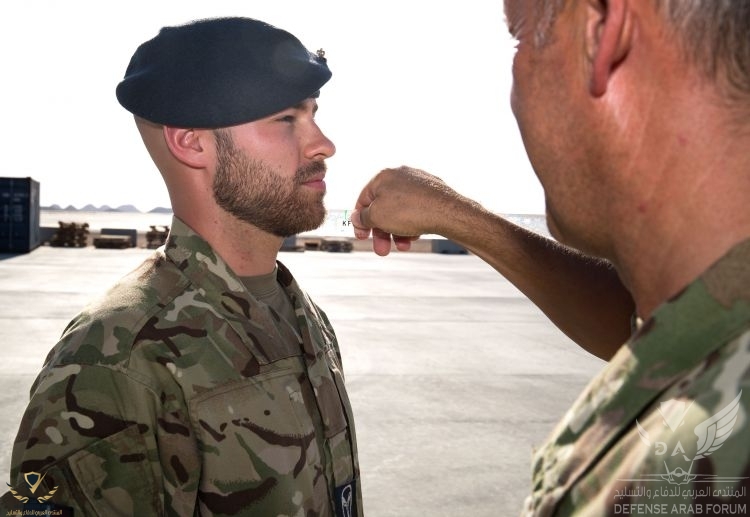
x,y
19,215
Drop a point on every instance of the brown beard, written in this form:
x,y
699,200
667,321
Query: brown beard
x,y
251,191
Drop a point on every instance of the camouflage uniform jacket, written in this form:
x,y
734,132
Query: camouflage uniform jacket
x,y
665,428
181,394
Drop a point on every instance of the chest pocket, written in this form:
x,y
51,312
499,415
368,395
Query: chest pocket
x,y
259,444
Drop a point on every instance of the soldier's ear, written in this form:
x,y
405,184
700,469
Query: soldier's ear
x,y
188,146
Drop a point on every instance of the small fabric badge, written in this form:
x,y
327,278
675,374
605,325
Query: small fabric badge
x,y
346,499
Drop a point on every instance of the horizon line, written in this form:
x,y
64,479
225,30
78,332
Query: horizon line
x,y
129,208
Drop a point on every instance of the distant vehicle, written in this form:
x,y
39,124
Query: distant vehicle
x,y
336,245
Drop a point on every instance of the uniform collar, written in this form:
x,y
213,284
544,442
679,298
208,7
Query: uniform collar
x,y
252,320
680,335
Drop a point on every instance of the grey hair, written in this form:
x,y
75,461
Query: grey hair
x,y
714,36
548,11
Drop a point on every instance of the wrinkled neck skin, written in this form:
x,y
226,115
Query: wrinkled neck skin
x,y
683,191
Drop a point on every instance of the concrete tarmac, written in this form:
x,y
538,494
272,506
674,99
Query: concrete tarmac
x,y
454,376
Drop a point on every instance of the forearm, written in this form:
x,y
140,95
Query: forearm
x,y
583,296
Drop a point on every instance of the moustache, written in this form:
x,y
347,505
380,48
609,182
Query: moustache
x,y
310,170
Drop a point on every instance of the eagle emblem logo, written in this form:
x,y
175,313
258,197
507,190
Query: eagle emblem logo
x,y
711,434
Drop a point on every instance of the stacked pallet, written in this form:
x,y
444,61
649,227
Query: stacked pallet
x,y
71,235
157,236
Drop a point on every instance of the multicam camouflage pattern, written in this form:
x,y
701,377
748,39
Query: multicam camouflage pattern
x,y
180,394
665,428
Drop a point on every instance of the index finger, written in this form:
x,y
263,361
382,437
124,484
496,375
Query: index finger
x,y
357,217
366,197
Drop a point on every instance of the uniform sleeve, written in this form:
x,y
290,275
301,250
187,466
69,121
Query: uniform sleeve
x,y
106,443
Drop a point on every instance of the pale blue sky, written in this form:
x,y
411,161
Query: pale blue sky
x,y
421,82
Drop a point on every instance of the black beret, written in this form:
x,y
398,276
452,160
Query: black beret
x,y
219,72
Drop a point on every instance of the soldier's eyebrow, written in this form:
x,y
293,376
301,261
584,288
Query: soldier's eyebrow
x,y
303,106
